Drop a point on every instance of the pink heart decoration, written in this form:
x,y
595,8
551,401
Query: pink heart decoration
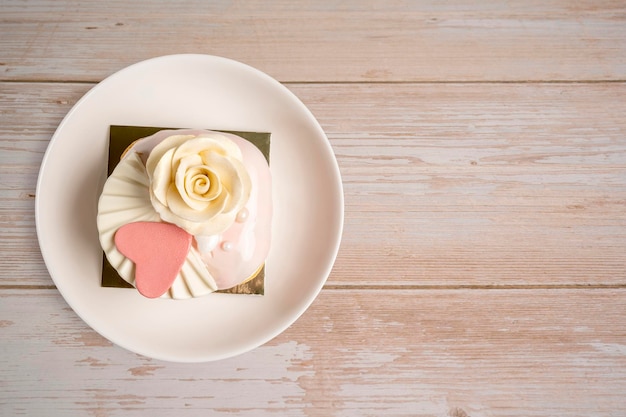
x,y
158,251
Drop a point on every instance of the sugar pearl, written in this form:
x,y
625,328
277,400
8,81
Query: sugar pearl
x,y
242,216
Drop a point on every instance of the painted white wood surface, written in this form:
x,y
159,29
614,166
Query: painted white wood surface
x,y
312,40
357,352
483,151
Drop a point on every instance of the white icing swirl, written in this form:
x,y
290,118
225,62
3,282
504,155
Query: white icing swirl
x,y
198,182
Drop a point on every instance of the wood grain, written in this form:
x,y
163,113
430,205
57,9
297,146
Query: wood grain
x,y
483,152
445,185
322,40
369,353
479,184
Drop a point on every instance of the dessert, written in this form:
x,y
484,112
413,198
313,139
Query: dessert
x,y
187,212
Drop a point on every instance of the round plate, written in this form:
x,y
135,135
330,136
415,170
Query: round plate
x,y
206,92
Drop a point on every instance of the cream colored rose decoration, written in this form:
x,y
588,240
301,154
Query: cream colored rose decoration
x,y
199,183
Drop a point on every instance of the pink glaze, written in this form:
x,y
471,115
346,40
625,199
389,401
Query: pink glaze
x,y
158,251
245,245
237,253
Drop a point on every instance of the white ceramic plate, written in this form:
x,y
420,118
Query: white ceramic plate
x,y
191,91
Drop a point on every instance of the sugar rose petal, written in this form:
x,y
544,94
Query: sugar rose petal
x,y
191,166
198,182
161,177
171,143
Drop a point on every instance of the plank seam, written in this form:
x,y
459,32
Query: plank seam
x,y
395,287
365,82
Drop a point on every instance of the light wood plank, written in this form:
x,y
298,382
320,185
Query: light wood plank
x,y
29,115
479,184
370,353
445,185
322,40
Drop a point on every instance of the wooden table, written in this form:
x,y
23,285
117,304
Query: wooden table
x,y
482,147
